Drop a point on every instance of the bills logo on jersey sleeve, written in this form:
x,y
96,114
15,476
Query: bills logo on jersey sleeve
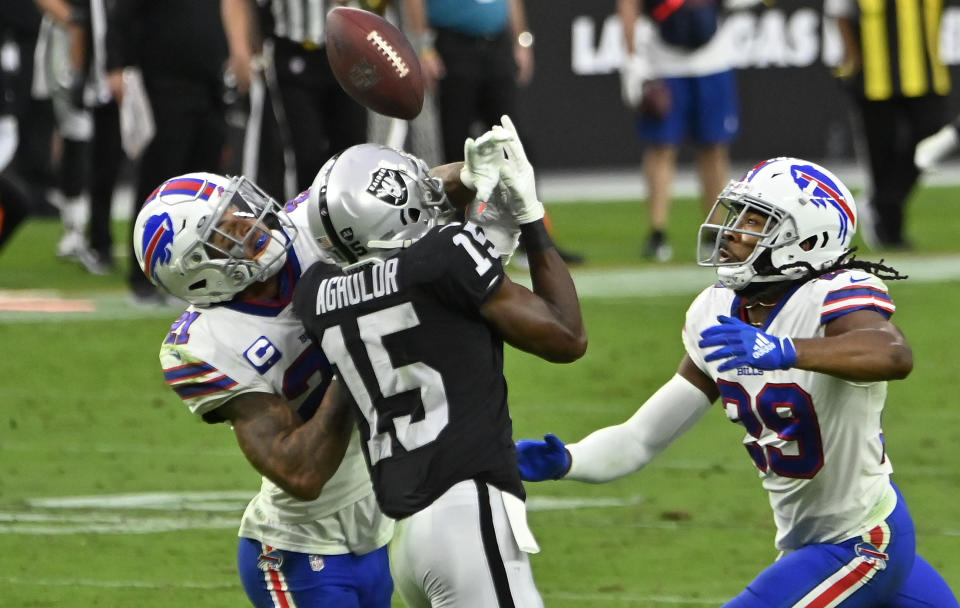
x,y
157,243
824,193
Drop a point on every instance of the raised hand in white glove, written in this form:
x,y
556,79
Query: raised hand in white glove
x,y
634,71
482,159
933,149
516,173
493,215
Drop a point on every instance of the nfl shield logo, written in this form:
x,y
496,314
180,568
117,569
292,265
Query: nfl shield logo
x,y
316,563
363,75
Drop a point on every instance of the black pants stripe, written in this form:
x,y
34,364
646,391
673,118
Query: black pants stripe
x,y
492,550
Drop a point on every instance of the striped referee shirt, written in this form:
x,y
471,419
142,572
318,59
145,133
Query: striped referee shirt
x,y
900,45
301,21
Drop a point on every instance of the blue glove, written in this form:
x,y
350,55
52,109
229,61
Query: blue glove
x,y
541,460
745,345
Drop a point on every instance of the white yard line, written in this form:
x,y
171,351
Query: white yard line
x,y
651,281
122,513
233,453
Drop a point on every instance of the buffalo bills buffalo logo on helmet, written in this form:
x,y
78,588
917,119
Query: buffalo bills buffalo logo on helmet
x,y
157,243
822,191
388,186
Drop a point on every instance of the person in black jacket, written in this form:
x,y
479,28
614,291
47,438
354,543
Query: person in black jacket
x,y
181,49
306,115
85,98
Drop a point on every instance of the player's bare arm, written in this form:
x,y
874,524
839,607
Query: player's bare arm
x,y
860,346
547,321
459,195
298,456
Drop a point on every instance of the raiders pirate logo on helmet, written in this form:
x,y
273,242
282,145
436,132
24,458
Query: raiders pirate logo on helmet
x,y
388,186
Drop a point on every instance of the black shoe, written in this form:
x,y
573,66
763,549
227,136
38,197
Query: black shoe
x,y
657,247
147,296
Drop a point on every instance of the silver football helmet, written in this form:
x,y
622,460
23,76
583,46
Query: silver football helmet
x,y
811,220
205,238
370,200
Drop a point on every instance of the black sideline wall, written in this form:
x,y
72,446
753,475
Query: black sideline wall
x,y
790,104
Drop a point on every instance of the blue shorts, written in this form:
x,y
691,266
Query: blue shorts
x,y
702,108
878,570
281,579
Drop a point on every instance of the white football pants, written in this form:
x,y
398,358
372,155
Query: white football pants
x,y
461,552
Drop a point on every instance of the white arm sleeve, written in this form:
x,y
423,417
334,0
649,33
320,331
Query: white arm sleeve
x,y
615,451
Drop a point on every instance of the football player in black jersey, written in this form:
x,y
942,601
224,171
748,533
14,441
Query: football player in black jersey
x,y
414,317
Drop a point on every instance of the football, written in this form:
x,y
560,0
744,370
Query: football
x,y
374,62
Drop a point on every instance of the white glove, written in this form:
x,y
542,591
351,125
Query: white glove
x,y
931,150
516,173
481,162
634,71
497,222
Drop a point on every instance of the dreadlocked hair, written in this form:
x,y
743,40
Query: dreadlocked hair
x,y
847,261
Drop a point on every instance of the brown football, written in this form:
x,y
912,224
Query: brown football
x,y
374,62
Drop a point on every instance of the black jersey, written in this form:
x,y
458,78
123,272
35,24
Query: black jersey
x,y
423,366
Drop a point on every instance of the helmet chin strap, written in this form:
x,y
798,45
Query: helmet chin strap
x,y
739,277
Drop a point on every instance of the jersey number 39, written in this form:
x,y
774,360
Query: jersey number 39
x,y
791,445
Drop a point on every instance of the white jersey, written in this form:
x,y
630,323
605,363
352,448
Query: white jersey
x,y
816,439
215,353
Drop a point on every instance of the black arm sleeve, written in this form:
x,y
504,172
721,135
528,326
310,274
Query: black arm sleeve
x,y
124,23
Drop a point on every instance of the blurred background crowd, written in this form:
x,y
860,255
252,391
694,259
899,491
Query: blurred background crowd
x,y
97,95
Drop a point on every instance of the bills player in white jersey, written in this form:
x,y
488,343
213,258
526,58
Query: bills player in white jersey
x,y
313,535
800,359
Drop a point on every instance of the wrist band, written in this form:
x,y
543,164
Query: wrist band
x,y
535,237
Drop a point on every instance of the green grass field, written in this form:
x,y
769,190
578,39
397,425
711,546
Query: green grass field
x,y
113,495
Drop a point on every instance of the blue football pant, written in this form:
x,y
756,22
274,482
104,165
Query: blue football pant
x,y
878,570
274,578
